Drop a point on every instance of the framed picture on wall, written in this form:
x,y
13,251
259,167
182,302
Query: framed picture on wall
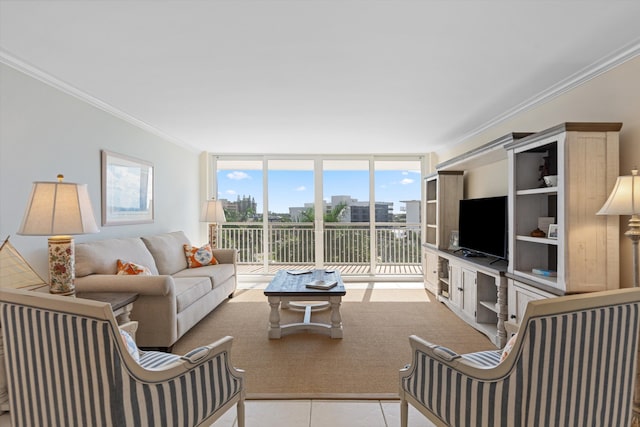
x,y
127,190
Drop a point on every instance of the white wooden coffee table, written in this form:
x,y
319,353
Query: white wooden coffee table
x,y
288,290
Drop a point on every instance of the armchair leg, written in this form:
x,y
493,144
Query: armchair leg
x,y
240,409
404,413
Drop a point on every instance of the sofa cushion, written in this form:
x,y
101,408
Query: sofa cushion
x,y
101,256
167,250
189,290
218,274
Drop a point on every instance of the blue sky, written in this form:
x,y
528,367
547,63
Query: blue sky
x,y
295,188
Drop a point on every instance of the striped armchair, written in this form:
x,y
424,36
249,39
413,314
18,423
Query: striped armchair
x,y
67,365
573,364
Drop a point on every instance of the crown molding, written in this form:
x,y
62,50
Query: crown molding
x,y
38,74
618,57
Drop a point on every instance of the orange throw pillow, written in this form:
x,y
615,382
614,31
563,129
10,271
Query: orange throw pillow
x,y
132,269
199,257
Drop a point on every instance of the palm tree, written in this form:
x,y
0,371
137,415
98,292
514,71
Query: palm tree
x,y
334,215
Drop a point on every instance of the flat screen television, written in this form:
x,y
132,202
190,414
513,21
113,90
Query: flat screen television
x,y
483,226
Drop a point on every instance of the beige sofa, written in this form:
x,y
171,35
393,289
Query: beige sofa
x,y
170,301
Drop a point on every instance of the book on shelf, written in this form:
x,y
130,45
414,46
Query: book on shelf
x,y
321,284
543,272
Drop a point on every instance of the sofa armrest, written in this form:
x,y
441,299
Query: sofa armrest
x,y
143,285
226,256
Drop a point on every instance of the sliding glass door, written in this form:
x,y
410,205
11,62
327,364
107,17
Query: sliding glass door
x,y
240,186
359,214
290,202
398,234
345,223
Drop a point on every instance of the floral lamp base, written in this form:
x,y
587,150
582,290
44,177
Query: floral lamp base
x,y
61,265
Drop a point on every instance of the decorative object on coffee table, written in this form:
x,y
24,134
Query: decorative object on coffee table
x,y
59,209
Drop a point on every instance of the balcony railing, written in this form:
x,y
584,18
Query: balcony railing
x,y
397,246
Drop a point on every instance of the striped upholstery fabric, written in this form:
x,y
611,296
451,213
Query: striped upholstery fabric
x,y
156,359
570,369
69,370
487,359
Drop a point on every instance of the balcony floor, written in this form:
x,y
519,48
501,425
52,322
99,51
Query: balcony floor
x,y
396,270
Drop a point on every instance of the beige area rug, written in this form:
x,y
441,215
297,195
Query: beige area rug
x,y
377,324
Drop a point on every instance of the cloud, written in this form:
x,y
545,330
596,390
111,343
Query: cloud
x,y
301,188
406,181
237,175
231,192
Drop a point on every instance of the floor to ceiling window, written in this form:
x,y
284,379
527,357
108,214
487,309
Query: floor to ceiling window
x,y
290,204
398,202
240,185
361,214
346,225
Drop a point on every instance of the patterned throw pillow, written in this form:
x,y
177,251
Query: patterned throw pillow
x,y
199,257
132,269
132,348
508,347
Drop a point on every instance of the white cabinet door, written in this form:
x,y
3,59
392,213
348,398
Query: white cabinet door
x,y
519,296
431,272
456,289
469,292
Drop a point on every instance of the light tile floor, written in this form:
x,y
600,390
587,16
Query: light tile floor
x,y
323,413
313,413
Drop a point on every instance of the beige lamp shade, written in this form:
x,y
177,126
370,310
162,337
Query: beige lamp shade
x,y
58,208
212,211
625,197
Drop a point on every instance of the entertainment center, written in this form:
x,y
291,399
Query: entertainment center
x,y
563,175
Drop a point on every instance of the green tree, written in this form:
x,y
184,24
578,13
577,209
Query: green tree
x,y
335,215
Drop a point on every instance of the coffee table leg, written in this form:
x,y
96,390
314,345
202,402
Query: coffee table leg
x,y
336,319
275,332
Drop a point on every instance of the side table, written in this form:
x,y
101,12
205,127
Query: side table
x,y
121,302
121,305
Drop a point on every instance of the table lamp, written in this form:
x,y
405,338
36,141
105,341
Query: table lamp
x,y
625,200
213,213
59,210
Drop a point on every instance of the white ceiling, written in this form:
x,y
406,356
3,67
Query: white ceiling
x,y
316,76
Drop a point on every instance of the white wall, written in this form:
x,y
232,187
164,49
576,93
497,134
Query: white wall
x,y
613,96
44,131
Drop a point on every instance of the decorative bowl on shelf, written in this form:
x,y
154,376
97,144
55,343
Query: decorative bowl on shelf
x,y
550,180
538,233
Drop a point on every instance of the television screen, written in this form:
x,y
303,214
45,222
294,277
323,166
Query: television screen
x,y
482,226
